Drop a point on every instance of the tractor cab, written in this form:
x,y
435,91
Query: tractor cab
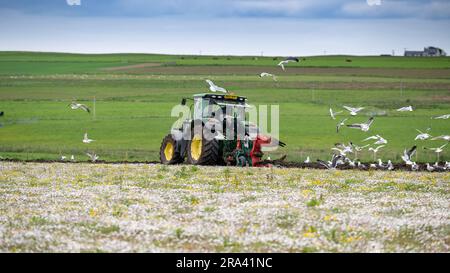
x,y
208,105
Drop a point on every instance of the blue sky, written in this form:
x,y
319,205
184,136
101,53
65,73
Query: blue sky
x,y
237,27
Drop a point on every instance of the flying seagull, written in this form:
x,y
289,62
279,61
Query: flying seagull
x,y
335,161
353,111
343,149
74,105
215,88
286,61
443,137
379,139
375,150
437,150
405,109
86,139
362,126
265,74
422,135
333,114
408,154
340,124
442,117
93,157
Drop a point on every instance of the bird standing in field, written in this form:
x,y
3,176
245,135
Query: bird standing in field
x,y
405,109
86,139
215,88
307,160
362,126
74,106
286,61
333,114
430,168
353,111
264,74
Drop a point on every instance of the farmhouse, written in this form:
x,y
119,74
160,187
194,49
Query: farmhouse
x,y
427,52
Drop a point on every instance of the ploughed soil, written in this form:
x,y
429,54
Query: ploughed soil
x,y
155,68
282,164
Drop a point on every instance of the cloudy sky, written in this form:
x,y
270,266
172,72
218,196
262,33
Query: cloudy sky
x,y
237,27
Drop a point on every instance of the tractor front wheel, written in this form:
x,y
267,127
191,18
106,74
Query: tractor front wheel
x,y
203,152
167,152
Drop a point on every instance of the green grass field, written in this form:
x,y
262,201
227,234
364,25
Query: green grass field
x,y
135,93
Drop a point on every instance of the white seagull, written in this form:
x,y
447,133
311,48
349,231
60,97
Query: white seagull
x,y
335,161
437,150
63,157
408,154
362,126
379,140
215,88
429,167
333,114
340,124
286,61
343,149
443,137
72,158
86,139
422,135
390,166
353,111
375,150
93,157
405,109
265,74
74,105
307,160
442,117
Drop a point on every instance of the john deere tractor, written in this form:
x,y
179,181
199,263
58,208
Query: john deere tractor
x,y
210,135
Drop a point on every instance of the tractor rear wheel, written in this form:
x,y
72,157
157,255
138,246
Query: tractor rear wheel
x,y
167,153
203,152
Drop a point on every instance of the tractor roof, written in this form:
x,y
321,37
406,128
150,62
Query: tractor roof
x,y
228,97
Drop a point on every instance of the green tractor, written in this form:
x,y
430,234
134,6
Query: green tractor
x,y
224,118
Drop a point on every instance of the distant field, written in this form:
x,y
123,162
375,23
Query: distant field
x,y
146,207
133,101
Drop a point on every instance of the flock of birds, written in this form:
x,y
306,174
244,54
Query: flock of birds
x,y
341,151
86,140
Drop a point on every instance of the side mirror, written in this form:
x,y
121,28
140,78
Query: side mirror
x,y
183,101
